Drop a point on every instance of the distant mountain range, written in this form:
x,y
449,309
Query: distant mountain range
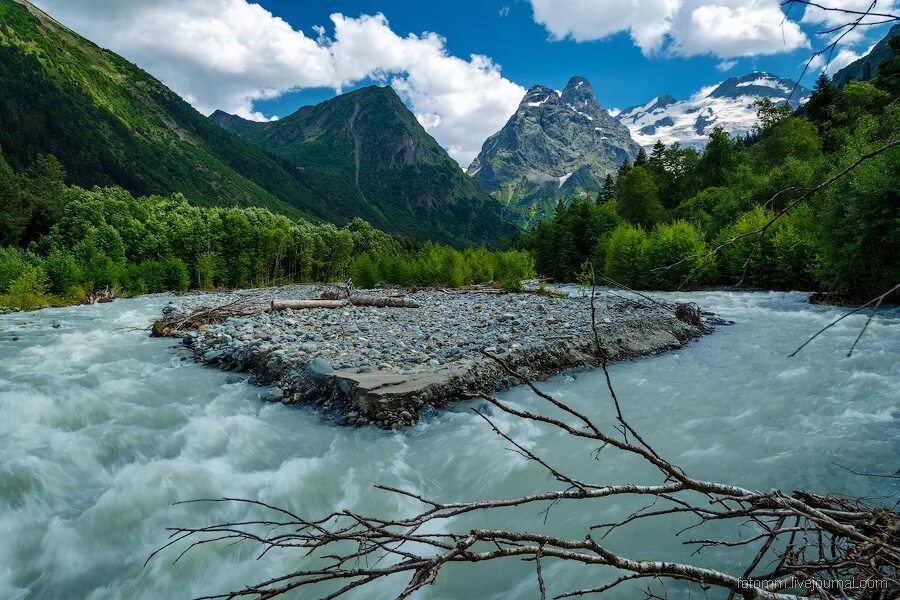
x,y
365,154
110,123
730,105
556,144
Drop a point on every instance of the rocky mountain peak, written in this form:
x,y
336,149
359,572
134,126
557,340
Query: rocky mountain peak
x,y
578,92
555,145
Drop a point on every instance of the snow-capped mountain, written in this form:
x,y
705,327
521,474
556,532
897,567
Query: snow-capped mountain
x,y
556,143
730,104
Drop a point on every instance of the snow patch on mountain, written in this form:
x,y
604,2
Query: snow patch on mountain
x,y
730,104
766,82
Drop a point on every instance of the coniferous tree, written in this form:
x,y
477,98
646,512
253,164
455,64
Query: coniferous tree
x,y
609,190
641,159
721,157
822,103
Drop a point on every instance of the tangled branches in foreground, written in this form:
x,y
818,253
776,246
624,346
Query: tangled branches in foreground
x,y
809,545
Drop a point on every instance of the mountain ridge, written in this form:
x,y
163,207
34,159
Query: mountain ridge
x,y
367,154
866,67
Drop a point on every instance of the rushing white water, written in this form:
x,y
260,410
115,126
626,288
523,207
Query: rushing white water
x,y
103,428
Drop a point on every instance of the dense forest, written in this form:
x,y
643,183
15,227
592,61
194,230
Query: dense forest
x,y
665,221
63,243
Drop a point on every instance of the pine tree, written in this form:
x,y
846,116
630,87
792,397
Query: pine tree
x,y
822,103
609,190
641,159
658,152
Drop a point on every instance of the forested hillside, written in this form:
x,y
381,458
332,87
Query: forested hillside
x,y
678,218
110,123
366,155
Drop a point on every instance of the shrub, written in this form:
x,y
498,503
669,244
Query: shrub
x,y
29,290
62,271
156,276
76,294
12,265
733,257
679,242
364,271
512,268
176,276
624,255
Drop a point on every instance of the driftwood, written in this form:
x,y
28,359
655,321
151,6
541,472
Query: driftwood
x,y
101,297
174,322
301,304
177,322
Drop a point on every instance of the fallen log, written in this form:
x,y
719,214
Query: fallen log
x,y
377,301
301,304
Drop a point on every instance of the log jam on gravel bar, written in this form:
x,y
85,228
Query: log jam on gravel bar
x,y
390,357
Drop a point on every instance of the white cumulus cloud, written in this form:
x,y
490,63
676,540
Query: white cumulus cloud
x,y
829,15
230,53
723,28
849,43
726,65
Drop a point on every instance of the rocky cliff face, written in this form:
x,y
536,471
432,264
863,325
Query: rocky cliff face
x,y
731,105
556,144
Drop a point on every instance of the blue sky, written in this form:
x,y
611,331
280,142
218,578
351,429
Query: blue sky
x,y
460,65
621,75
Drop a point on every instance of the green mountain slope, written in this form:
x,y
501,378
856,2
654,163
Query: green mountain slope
x,y
366,155
109,122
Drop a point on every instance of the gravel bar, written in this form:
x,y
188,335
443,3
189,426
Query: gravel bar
x,y
388,367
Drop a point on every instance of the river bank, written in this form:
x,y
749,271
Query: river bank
x,y
385,367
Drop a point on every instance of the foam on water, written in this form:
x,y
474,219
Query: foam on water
x,y
102,429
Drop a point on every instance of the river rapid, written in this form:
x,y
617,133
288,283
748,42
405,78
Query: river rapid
x,y
102,429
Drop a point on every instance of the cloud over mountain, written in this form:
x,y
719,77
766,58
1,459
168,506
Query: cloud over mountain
x,y
229,53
